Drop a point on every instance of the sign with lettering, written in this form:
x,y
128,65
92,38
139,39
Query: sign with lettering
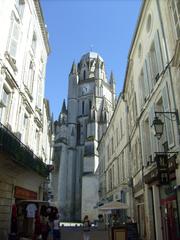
x,y
24,194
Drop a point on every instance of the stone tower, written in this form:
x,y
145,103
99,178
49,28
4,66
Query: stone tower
x,y
90,104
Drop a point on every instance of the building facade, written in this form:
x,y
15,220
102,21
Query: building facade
x,y
25,136
151,94
91,100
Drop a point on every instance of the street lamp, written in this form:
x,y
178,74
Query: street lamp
x,y
158,125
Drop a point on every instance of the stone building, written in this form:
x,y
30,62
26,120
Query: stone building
x,y
151,94
25,134
91,100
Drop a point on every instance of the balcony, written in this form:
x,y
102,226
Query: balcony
x,y
21,154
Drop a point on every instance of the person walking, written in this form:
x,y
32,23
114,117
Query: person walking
x,y
56,228
86,228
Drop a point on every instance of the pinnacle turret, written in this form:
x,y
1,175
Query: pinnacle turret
x,y
112,79
73,68
63,109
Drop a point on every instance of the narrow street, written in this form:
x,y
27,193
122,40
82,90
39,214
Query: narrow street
x,y
73,233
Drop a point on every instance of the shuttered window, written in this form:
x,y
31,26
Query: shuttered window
x,y
39,93
14,38
175,6
31,77
168,122
5,100
142,89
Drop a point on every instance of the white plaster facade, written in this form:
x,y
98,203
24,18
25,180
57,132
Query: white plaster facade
x,y
25,133
152,84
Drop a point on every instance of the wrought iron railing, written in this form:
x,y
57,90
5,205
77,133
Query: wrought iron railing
x,y
20,153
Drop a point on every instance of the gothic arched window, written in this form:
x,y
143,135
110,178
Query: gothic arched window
x,y
82,107
84,74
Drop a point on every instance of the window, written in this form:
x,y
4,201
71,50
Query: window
x,y
5,105
31,73
175,6
84,75
153,61
112,144
121,129
78,133
34,42
82,107
13,38
90,105
25,128
156,58
123,168
110,179
39,93
20,5
148,23
146,142
37,139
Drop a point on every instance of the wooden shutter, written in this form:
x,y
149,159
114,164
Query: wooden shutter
x,y
40,93
14,39
158,52
143,144
168,122
146,84
149,74
153,139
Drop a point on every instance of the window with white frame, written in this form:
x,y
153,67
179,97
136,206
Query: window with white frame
x,y
31,73
4,109
37,141
20,5
39,93
146,142
154,63
14,35
34,42
25,128
175,7
141,88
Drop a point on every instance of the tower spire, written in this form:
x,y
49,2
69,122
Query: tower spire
x,y
112,79
63,109
73,68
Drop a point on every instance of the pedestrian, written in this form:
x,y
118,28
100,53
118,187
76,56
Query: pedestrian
x,y
44,227
86,228
56,228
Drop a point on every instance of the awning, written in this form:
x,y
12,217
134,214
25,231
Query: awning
x,y
113,205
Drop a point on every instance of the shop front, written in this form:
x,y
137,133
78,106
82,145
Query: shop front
x,y
162,182
169,212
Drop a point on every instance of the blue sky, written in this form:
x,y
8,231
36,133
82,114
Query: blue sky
x,y
74,26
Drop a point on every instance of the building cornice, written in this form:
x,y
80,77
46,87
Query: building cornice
x,y
42,24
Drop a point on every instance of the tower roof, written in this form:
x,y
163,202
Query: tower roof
x,y
91,55
63,110
112,80
73,68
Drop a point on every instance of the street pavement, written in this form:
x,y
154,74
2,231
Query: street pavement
x,y
76,233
